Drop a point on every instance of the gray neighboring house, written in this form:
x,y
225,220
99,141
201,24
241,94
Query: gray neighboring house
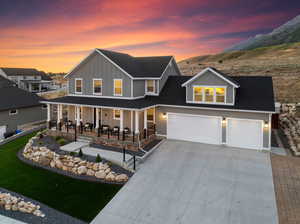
x,y
28,79
18,108
145,95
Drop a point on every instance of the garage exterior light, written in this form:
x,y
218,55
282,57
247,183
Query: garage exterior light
x,y
164,115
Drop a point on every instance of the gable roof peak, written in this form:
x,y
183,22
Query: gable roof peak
x,y
216,72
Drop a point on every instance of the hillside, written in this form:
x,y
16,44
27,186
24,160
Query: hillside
x,y
287,33
282,62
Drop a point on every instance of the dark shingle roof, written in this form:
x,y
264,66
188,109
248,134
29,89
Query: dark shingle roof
x,y
139,67
20,71
254,94
13,97
5,82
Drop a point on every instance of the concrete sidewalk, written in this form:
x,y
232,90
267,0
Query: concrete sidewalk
x,y
184,183
7,220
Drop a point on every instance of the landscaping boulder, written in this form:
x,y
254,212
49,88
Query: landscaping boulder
x,y
44,161
100,174
82,170
90,172
121,178
110,177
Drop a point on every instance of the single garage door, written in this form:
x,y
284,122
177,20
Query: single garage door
x,y
194,128
245,133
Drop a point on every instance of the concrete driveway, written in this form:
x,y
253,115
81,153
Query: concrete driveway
x,y
184,182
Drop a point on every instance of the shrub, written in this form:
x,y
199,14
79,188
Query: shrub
x,y
109,163
98,158
40,143
57,138
73,153
61,141
80,154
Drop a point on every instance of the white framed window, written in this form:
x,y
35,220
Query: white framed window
x,y
78,86
118,87
209,94
44,106
197,93
150,86
117,114
97,86
13,112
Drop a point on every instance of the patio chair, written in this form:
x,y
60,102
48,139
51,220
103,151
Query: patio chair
x,y
104,129
88,126
115,130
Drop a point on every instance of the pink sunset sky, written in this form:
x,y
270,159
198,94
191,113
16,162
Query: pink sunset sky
x,y
54,35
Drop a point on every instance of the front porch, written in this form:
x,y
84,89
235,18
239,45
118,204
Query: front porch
x,y
129,129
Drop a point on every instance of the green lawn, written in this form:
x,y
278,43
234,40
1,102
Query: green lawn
x,y
77,198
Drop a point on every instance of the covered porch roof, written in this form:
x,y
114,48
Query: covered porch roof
x,y
138,104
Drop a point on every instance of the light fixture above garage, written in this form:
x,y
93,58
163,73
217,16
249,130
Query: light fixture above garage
x,y
224,120
164,115
266,124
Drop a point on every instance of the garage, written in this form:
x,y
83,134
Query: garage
x,y
195,128
244,133
2,131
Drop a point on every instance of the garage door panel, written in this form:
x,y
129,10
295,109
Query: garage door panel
x,y
244,133
194,128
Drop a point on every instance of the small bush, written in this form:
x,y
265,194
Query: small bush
x,y
80,154
73,153
40,143
98,158
109,163
61,141
57,138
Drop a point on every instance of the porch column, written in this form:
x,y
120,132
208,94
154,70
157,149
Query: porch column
x,y
121,120
145,123
137,131
131,120
77,116
40,87
48,116
97,118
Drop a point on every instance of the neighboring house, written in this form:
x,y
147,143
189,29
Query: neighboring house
x,y
18,108
149,94
28,79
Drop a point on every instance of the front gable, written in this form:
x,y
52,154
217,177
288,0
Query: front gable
x,y
210,79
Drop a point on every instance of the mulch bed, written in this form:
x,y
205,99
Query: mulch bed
x,y
52,216
50,143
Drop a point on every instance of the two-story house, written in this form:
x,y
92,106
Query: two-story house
x,y
28,79
142,96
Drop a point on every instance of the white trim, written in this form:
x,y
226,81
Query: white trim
x,y
211,70
166,105
76,84
48,112
114,93
247,119
137,118
97,94
270,130
131,120
109,97
145,118
121,120
12,114
114,114
131,88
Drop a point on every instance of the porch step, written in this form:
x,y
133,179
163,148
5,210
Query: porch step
x,y
84,139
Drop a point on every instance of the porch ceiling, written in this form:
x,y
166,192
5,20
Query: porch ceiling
x,y
102,102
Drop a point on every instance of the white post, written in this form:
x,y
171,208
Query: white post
x,y
97,117
145,119
48,112
58,113
77,116
121,120
101,111
40,87
131,120
137,122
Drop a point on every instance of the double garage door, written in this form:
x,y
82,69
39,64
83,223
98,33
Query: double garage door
x,y
208,129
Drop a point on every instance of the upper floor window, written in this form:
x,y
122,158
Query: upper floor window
x,y
78,85
118,87
97,86
150,86
209,94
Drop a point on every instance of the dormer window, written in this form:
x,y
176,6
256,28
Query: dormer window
x,y
150,86
78,86
118,87
202,94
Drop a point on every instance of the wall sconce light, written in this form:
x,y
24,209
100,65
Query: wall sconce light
x,y
223,120
266,124
164,115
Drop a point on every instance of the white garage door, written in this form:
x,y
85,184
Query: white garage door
x,y
2,131
245,133
194,128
